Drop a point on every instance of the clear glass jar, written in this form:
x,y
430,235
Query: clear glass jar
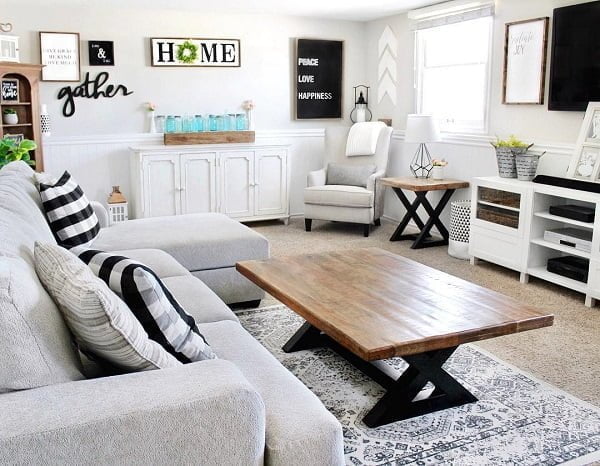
x,y
198,123
160,123
241,122
212,122
170,124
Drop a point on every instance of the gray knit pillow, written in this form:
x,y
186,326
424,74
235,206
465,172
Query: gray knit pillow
x,y
349,175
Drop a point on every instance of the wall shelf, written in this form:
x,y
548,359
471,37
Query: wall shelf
x,y
18,125
10,104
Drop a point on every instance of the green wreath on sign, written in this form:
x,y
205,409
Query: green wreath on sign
x,y
187,52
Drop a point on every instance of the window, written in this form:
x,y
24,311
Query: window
x,y
452,74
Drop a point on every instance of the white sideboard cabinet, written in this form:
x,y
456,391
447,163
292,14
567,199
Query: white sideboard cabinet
x,y
247,182
508,221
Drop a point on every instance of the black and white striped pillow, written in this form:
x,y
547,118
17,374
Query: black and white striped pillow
x,y
69,213
151,302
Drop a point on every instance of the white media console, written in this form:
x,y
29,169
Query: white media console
x,y
508,221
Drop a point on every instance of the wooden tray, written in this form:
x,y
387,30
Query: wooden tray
x,y
209,137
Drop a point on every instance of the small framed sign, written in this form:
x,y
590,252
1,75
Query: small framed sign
x,y
101,53
195,52
525,61
10,90
16,138
59,53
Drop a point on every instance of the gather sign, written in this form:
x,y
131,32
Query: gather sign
x,y
195,52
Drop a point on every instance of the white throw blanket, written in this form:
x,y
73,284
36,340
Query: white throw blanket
x,y
362,139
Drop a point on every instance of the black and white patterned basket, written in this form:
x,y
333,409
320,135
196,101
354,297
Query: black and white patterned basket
x,y
460,225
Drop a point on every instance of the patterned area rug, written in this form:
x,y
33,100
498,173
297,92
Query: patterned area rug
x,y
518,420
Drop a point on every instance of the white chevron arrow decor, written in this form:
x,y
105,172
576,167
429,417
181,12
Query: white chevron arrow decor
x,y
386,87
386,70
388,39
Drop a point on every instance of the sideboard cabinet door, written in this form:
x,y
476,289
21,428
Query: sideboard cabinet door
x,y
237,183
161,185
198,183
270,192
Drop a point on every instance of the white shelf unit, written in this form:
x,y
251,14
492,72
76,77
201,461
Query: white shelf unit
x,y
513,235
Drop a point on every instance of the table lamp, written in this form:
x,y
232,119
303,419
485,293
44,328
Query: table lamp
x,y
421,129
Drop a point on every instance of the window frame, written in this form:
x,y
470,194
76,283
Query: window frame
x,y
418,67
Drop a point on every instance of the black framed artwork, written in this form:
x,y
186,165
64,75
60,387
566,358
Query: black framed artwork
x,y
319,70
101,53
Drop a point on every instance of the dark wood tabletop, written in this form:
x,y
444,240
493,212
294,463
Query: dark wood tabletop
x,y
379,305
411,183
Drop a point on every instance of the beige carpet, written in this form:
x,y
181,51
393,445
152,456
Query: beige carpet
x,y
566,355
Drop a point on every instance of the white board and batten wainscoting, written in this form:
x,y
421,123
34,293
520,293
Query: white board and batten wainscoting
x,y
248,182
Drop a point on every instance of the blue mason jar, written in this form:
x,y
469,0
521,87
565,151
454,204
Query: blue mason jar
x,y
220,123
212,122
170,124
198,123
241,123
178,124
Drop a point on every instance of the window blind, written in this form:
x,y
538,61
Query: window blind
x,y
451,12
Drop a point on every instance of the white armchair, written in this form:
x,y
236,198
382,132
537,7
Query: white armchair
x,y
349,203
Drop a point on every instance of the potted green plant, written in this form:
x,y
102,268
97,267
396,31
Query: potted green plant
x,y
9,116
506,152
11,151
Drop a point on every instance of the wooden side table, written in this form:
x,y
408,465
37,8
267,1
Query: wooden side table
x,y
421,186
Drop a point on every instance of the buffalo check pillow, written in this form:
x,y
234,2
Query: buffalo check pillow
x,y
163,318
69,213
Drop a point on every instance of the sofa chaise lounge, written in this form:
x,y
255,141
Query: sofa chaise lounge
x,y
244,408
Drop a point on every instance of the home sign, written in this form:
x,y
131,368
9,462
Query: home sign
x,y
195,52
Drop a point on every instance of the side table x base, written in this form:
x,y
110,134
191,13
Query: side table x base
x,y
423,238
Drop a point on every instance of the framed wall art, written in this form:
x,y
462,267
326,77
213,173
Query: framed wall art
x,y
59,53
10,90
525,45
101,53
170,51
318,77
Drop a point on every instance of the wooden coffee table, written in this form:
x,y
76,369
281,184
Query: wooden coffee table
x,y
370,304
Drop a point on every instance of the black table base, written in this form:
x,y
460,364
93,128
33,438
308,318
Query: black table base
x,y
423,238
404,398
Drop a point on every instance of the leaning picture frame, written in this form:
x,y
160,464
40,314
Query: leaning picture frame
x,y
60,56
524,75
587,148
16,138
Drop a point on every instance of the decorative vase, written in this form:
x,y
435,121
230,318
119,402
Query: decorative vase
x,y
45,121
437,173
250,119
152,122
10,119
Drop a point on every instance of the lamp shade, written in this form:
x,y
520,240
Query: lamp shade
x,y
421,129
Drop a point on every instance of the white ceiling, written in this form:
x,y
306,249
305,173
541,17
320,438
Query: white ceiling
x,y
354,10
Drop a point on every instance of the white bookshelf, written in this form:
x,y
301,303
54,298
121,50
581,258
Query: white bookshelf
x,y
513,235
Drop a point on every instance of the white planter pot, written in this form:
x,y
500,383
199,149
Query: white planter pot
x,y
437,173
10,119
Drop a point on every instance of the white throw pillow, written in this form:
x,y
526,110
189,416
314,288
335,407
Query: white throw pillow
x,y
101,323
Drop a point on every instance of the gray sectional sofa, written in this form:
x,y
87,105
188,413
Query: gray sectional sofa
x,y
244,408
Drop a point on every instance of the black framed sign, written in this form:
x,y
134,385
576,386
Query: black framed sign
x,y
319,69
10,90
101,53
